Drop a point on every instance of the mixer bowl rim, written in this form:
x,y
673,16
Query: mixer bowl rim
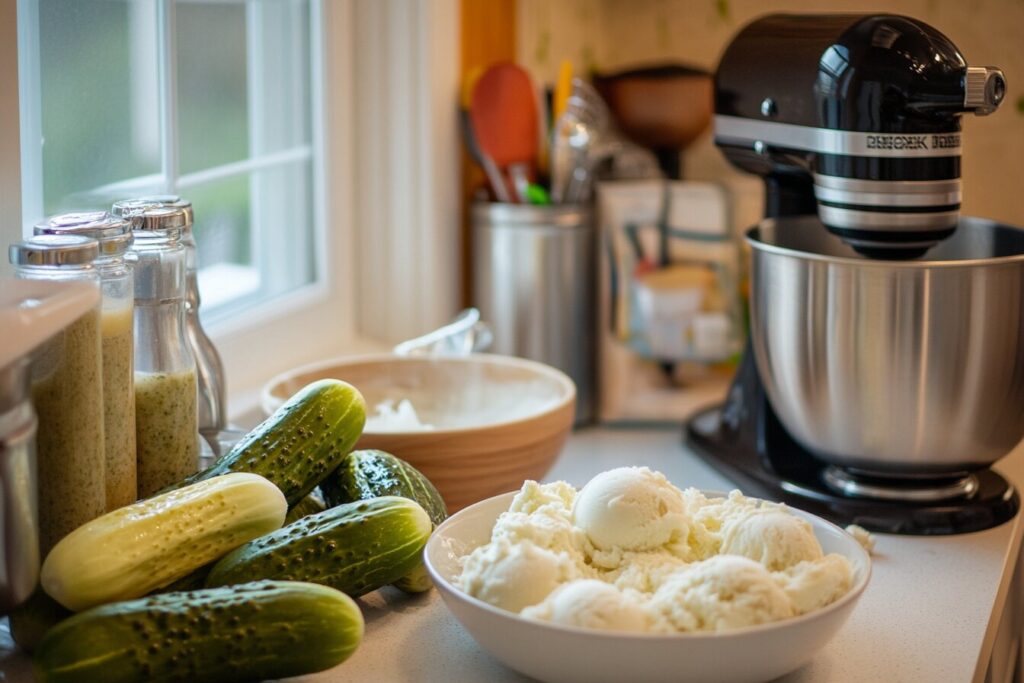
x,y
757,244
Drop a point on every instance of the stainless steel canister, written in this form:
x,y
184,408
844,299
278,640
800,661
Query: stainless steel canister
x,y
910,368
533,281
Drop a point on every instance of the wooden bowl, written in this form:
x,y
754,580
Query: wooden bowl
x,y
667,106
499,420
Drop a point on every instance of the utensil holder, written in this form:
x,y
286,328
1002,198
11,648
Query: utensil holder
x,y
533,280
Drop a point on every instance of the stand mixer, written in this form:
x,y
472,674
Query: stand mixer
x,y
885,370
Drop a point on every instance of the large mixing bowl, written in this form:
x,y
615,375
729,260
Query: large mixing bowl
x,y
896,367
497,419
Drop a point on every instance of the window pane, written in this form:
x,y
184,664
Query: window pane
x,y
222,221
98,104
280,95
252,233
213,115
282,203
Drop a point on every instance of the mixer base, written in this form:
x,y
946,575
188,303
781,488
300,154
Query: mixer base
x,y
766,462
857,484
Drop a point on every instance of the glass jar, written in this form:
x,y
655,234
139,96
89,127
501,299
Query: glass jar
x,y
166,426
67,393
212,408
114,237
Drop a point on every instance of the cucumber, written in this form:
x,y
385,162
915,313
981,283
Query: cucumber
x,y
242,633
416,581
30,621
355,547
136,549
301,442
189,582
370,473
309,505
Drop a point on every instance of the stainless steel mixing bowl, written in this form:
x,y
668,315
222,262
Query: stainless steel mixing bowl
x,y
895,367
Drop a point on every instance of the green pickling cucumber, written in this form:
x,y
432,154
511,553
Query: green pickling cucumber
x,y
301,443
309,505
368,474
248,632
30,622
355,547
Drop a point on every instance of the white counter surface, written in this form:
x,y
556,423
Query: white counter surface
x,y
932,611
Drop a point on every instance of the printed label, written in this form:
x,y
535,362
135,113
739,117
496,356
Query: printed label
x,y
944,141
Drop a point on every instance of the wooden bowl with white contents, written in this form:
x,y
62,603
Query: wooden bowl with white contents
x,y
497,420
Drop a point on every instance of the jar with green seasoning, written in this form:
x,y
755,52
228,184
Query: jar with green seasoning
x,y
67,393
212,407
114,236
166,424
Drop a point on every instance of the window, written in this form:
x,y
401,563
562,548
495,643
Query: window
x,y
210,99
288,123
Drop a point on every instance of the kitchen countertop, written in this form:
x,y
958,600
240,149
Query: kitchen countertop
x,y
931,612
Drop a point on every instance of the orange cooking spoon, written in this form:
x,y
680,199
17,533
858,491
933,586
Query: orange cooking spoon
x,y
503,110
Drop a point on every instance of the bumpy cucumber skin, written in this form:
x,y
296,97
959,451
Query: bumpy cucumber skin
x,y
371,473
301,443
30,621
309,505
134,550
355,548
249,632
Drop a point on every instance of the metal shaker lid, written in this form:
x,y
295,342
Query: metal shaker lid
x,y
113,233
131,207
54,250
166,221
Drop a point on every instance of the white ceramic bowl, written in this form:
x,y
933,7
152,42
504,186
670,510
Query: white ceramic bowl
x,y
564,654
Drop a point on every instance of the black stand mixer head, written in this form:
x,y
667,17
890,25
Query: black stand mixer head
x,y
854,119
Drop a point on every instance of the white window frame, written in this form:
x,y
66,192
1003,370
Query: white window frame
x,y
369,208
275,254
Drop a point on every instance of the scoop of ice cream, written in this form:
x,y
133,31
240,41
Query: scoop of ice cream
x,y
644,572
552,498
589,603
814,584
631,508
862,536
513,575
720,593
545,531
542,515
772,536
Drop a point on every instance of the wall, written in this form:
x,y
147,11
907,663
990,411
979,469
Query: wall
x,y
608,35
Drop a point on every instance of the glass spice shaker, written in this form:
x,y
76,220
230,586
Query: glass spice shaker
x,y
114,237
67,393
166,425
212,408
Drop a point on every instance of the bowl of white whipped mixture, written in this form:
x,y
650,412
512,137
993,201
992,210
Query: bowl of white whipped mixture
x,y
475,425
633,579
